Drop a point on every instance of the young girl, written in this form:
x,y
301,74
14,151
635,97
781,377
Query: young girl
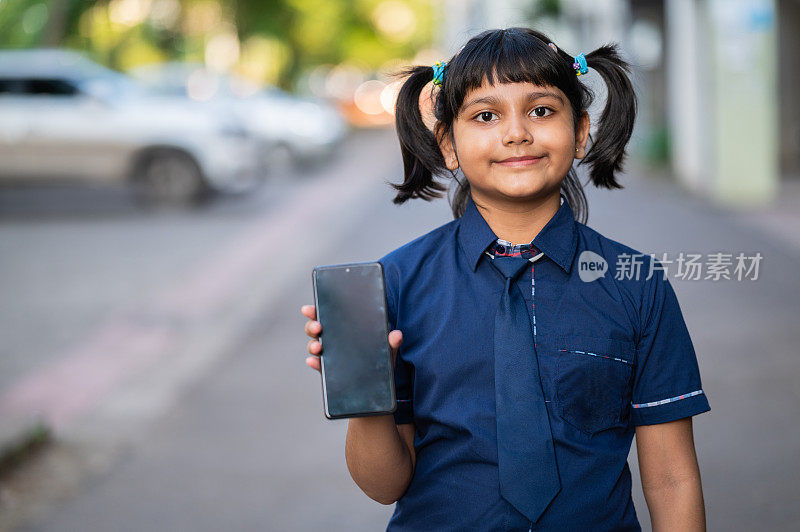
x,y
526,367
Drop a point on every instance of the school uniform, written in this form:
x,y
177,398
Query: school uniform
x,y
612,354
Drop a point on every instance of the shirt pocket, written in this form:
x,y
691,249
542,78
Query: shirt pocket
x,y
593,382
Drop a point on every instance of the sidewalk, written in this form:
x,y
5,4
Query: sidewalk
x,y
780,221
246,447
98,395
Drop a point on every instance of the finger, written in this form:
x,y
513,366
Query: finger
x,y
309,311
395,338
314,347
313,362
313,328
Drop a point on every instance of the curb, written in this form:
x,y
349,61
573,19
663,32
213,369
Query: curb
x,y
19,439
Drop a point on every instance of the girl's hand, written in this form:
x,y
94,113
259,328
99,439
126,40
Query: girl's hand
x,y
314,328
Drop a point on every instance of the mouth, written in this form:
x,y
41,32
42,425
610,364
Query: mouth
x,y
520,161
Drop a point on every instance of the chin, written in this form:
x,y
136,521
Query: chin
x,y
516,188
523,189
521,195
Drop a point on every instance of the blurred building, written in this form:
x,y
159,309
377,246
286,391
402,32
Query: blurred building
x,y
716,80
733,115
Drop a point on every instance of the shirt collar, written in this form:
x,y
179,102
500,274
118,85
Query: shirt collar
x,y
558,239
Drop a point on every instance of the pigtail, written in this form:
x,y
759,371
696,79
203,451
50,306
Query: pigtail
x,y
607,154
421,155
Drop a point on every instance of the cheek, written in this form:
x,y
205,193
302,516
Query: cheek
x,y
557,139
475,146
483,146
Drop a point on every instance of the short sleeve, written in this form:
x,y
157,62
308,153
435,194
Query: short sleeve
x,y
402,373
667,383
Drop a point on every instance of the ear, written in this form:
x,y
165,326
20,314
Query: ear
x,y
582,135
446,147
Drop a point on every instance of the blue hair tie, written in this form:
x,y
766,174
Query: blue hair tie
x,y
438,72
580,65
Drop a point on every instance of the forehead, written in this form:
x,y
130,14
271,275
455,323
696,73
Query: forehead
x,y
513,90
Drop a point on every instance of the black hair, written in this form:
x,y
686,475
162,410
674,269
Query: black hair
x,y
504,56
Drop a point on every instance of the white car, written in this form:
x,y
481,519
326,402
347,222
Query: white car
x,y
64,117
292,129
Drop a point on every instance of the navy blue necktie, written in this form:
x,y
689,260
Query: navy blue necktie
x,y
526,458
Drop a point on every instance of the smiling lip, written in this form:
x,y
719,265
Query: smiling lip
x,y
520,161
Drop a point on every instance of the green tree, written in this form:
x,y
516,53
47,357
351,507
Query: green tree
x,y
310,32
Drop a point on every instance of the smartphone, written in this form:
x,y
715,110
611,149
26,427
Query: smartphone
x,y
356,359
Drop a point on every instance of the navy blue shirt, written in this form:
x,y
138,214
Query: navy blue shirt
x,y
613,352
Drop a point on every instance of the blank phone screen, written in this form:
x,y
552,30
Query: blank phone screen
x,y
356,358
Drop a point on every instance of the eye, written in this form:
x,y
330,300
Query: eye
x,y
542,108
539,112
483,114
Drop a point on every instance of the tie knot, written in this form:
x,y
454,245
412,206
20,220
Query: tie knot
x,y
510,267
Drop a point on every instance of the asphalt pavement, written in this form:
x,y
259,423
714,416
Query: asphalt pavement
x,y
215,422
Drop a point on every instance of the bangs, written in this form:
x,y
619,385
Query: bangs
x,y
507,56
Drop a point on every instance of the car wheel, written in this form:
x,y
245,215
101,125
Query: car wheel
x,y
170,177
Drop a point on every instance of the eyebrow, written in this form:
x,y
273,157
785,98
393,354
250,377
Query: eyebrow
x,y
492,100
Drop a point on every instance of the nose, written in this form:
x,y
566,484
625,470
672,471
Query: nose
x,y
517,132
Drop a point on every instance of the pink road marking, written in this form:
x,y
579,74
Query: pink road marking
x,y
80,378
73,383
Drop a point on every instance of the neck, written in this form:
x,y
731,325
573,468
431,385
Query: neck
x,y
518,222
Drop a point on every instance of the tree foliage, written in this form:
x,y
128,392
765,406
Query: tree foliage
x,y
294,34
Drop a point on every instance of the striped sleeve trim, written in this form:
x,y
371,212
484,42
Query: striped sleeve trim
x,y
665,401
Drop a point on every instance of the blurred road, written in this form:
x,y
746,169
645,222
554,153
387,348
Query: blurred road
x,y
201,414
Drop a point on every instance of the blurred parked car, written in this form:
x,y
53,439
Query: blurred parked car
x,y
65,117
292,129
